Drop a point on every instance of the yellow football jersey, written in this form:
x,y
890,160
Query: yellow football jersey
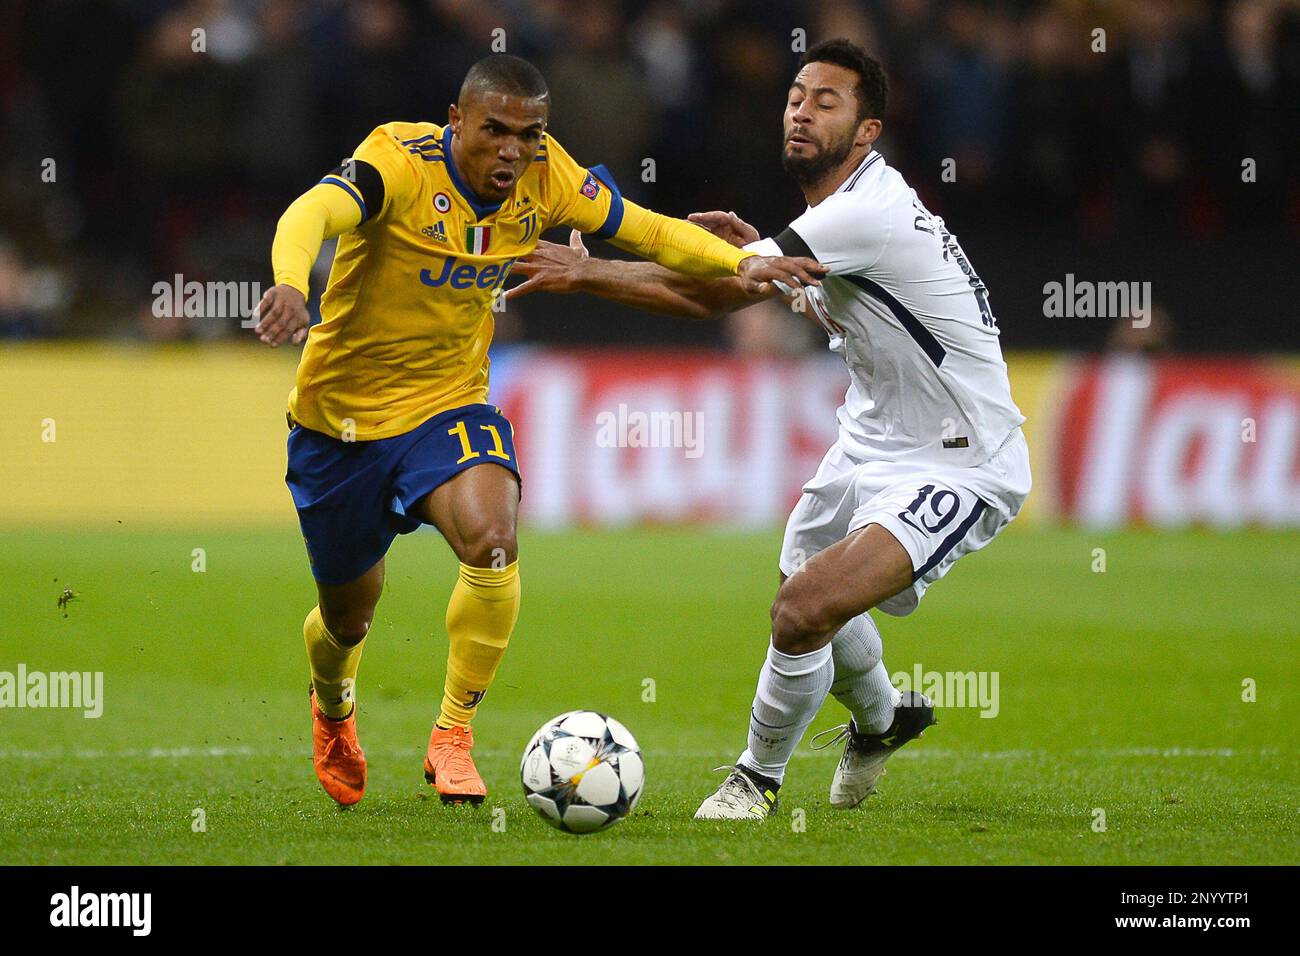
x,y
407,314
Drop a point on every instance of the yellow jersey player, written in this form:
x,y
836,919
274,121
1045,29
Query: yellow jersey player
x,y
389,418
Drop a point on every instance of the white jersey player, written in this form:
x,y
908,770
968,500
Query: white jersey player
x,y
929,464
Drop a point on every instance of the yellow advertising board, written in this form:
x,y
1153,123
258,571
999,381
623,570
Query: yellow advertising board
x,y
100,434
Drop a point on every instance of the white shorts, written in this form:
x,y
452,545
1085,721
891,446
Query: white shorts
x,y
938,514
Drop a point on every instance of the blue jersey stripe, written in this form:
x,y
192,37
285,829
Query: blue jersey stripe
x,y
347,187
420,139
614,218
919,333
480,210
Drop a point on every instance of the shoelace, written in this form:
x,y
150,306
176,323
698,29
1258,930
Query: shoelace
x,y
841,733
738,788
341,743
459,760
460,741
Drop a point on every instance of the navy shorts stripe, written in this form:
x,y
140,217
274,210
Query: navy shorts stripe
x,y
950,542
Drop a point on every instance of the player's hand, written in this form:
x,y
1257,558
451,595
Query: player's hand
x,y
727,226
759,274
551,267
281,316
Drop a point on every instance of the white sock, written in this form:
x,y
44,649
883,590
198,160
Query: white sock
x,y
791,688
861,680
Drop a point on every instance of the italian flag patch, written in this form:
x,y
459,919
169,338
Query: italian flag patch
x,y
477,239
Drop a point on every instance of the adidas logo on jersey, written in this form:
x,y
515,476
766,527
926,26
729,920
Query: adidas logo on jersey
x,y
437,232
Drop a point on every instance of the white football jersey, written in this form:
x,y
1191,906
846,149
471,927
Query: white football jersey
x,y
907,312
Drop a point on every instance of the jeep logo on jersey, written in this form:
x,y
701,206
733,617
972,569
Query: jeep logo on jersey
x,y
466,276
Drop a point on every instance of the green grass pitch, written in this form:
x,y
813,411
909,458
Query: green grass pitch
x,y
1119,691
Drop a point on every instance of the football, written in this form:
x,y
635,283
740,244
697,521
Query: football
x,y
582,771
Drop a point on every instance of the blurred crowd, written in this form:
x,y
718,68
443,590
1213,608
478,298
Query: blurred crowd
x,y
1177,123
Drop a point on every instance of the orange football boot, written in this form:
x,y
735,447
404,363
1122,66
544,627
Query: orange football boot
x,y
340,761
450,769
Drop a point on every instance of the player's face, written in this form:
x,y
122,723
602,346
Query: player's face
x,y
821,121
499,136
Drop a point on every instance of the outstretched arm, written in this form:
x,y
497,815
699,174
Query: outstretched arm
x,y
695,252
589,200
642,285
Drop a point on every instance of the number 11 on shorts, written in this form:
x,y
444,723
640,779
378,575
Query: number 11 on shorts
x,y
467,453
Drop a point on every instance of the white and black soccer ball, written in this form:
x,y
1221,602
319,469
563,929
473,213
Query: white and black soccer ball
x,y
582,771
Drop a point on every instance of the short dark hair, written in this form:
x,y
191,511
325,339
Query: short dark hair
x,y
872,90
503,73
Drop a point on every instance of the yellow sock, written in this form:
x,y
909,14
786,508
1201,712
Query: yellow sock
x,y
480,616
333,666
